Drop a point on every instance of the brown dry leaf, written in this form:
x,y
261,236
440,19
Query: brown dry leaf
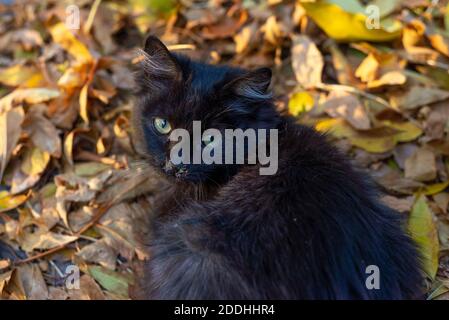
x,y
42,131
399,204
393,181
437,121
347,106
227,27
116,226
29,96
90,288
72,188
402,152
244,37
99,252
56,293
10,127
392,78
3,265
418,96
4,279
442,200
307,62
44,240
22,181
32,282
68,144
84,114
273,32
421,165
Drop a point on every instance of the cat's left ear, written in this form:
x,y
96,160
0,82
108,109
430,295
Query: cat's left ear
x,y
159,68
252,86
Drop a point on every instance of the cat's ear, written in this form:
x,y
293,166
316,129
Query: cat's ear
x,y
158,66
251,86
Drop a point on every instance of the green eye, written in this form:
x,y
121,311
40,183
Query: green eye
x,y
162,125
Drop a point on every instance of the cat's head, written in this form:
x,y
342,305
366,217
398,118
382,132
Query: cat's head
x,y
174,91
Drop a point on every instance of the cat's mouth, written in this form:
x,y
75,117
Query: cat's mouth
x,y
180,172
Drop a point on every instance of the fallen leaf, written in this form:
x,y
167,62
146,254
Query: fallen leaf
x,y
307,62
111,281
399,204
10,126
423,230
32,282
367,70
421,165
347,106
4,279
42,131
19,75
300,102
417,97
392,78
8,202
99,252
45,240
347,26
64,37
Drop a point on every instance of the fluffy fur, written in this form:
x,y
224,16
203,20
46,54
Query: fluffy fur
x,y
226,232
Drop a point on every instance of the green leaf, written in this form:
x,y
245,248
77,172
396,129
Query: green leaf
x,y
111,281
423,230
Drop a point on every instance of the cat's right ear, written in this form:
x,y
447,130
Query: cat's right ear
x,y
158,68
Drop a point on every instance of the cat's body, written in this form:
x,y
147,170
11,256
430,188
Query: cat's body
x,y
307,232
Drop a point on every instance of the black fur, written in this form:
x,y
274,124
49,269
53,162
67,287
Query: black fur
x,y
226,232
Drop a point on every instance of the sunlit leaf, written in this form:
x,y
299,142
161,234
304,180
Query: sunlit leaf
x,y
300,102
65,38
8,202
346,26
423,230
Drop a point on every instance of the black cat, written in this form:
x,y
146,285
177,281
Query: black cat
x,y
309,231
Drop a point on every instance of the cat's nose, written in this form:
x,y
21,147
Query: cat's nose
x,y
169,167
173,169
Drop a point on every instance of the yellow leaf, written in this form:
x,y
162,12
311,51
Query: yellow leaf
x,y
83,103
65,38
423,230
300,102
367,70
408,131
20,75
346,26
435,188
35,161
8,202
30,96
378,140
